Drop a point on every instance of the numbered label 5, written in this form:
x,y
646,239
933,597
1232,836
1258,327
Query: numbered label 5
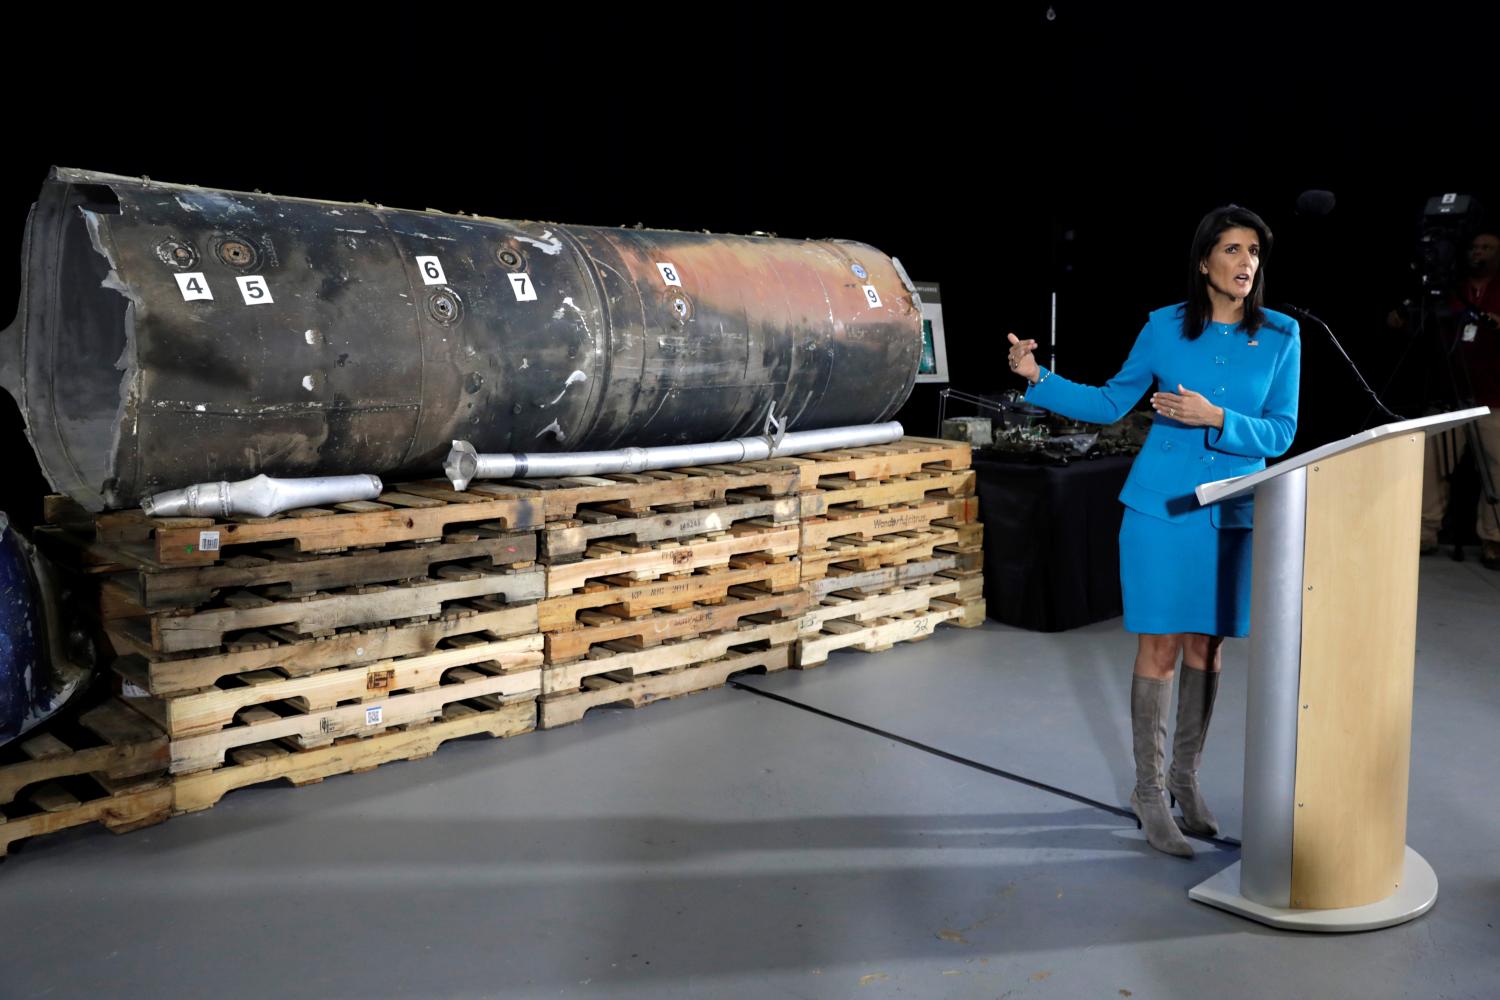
x,y
255,290
669,274
872,296
193,286
432,271
520,283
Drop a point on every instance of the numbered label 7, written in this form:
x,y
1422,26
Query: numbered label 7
x,y
520,283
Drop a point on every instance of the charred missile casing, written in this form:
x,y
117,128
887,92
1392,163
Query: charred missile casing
x,y
170,335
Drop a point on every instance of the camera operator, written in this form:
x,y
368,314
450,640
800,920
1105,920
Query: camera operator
x,y
1472,338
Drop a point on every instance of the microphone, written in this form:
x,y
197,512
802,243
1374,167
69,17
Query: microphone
x,y
1315,202
1309,315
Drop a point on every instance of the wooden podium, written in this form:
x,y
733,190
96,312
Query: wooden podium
x,y
1328,712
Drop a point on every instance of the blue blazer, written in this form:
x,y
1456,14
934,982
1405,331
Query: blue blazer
x,y
1254,378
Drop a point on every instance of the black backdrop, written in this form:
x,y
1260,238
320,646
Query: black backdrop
x,y
964,147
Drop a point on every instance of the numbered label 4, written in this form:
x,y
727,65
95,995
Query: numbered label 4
x,y
872,296
193,286
255,290
520,283
432,271
669,274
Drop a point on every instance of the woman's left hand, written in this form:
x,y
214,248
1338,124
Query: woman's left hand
x,y
1187,407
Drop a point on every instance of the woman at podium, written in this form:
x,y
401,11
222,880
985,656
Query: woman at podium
x,y
1226,372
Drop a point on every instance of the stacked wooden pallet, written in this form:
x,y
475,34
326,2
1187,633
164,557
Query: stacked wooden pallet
x,y
323,640
332,640
664,583
891,546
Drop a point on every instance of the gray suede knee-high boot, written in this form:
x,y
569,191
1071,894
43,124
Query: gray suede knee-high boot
x,y
1195,707
1150,700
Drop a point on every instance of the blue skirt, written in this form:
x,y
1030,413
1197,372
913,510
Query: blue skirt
x,y
1184,575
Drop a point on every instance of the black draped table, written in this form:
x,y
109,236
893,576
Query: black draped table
x,y
1051,540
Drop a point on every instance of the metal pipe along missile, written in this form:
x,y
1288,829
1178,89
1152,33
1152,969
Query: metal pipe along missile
x,y
261,496
464,464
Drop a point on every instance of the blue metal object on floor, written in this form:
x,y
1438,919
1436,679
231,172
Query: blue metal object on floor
x,y
36,678
20,632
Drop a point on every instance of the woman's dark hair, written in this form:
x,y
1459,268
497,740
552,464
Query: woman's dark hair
x,y
1198,310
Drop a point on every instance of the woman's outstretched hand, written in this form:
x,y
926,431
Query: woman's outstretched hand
x,y
1187,407
1022,361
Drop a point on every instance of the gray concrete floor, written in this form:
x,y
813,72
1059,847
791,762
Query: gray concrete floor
x,y
730,845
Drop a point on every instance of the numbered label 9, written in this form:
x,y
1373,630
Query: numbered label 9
x,y
432,271
669,274
520,283
255,290
193,286
872,297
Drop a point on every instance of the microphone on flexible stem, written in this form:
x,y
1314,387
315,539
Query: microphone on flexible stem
x,y
1306,314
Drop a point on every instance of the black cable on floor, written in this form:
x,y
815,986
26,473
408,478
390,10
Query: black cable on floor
x,y
1229,843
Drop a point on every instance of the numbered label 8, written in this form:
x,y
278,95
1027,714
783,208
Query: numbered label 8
x,y
255,290
432,271
669,274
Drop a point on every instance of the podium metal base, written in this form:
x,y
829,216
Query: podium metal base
x,y
1415,897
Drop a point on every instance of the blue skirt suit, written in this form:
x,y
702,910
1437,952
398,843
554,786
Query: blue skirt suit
x,y
1183,567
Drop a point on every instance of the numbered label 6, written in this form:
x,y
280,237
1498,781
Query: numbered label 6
x,y
432,271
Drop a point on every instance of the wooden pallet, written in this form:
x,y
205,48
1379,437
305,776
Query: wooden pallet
x,y
110,740
567,540
108,766
835,492
284,571
282,720
55,806
876,636
561,498
564,707
859,555
641,563
876,462
408,512
864,604
297,656
670,655
314,614
273,761
817,532
599,630
845,611
215,708
878,581
631,600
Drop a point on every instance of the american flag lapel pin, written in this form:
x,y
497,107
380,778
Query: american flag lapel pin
x,y
1253,343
